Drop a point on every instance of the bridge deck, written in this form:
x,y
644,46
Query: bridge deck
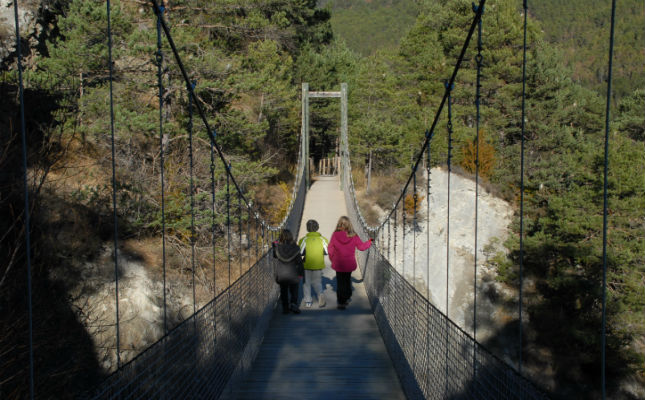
x,y
324,353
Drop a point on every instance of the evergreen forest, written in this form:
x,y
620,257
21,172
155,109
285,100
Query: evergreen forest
x,y
248,59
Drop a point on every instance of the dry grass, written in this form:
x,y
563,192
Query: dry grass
x,y
274,201
385,190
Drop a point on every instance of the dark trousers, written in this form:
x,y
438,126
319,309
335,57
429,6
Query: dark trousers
x,y
287,289
343,286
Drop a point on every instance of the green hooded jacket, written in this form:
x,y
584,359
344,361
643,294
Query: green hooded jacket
x,y
313,246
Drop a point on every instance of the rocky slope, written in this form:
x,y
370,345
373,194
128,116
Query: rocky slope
x,y
35,21
422,256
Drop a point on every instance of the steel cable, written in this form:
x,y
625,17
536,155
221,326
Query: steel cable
x,y
449,88
606,201
26,187
137,375
239,230
478,59
114,202
522,160
159,60
192,196
212,168
428,186
228,220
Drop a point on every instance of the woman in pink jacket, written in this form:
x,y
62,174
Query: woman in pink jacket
x,y
342,246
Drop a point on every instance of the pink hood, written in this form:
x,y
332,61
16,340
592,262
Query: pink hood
x,y
342,249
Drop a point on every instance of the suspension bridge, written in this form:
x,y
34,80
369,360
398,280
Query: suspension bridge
x,y
390,343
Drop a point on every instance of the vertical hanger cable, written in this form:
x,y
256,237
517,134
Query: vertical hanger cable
x,y
192,197
523,124
606,203
162,144
26,195
114,202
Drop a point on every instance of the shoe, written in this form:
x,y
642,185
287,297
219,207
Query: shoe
x,y
341,306
308,304
321,300
294,308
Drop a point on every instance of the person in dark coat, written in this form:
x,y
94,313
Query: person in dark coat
x,y
288,270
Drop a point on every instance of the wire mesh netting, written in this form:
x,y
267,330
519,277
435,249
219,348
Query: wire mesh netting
x,y
207,354
198,358
434,358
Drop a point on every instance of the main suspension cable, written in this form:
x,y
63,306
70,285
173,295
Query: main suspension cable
x,y
211,132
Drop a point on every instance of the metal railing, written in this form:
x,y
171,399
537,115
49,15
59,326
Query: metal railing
x,y
207,354
434,357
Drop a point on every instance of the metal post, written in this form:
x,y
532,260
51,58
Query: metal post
x,y
305,131
343,126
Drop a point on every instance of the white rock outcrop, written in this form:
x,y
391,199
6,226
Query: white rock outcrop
x,y
423,257
28,20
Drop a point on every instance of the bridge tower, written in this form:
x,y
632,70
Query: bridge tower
x,y
306,95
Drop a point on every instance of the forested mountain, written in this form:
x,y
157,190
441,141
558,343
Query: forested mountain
x,y
248,59
580,28
394,98
369,25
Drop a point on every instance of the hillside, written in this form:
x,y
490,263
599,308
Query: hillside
x,y
249,59
393,103
247,76
580,28
370,25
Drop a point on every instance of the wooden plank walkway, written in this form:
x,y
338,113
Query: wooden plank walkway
x,y
323,353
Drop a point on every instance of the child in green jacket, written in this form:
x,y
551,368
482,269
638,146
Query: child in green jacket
x,y
313,247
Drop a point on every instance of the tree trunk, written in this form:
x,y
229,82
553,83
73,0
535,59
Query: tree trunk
x,y
369,173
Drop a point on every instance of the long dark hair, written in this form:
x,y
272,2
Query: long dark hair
x,y
285,236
